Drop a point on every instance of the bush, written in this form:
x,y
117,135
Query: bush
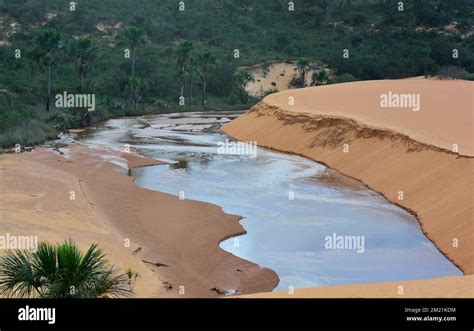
x,y
468,76
344,78
31,133
451,72
271,91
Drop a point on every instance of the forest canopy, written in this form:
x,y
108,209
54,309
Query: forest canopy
x,y
148,56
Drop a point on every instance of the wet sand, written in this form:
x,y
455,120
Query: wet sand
x,y
174,243
444,287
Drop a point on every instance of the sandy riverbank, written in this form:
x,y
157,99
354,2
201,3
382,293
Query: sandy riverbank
x,y
445,287
391,150
180,236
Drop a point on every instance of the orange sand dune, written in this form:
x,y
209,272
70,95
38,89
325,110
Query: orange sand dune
x,y
445,116
392,151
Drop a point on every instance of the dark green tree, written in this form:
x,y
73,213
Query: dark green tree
x,y
47,46
303,66
85,53
138,86
184,54
133,37
242,78
206,62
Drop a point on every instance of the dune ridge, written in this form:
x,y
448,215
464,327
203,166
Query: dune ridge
x,y
445,117
336,125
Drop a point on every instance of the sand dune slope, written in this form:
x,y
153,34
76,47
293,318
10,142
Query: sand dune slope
x,y
444,115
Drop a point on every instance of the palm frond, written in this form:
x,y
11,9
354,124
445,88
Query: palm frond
x,y
61,271
17,275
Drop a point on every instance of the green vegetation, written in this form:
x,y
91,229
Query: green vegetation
x,y
468,76
319,77
62,271
300,79
344,78
141,56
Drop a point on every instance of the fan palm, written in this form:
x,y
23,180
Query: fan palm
x,y
206,63
47,45
133,37
303,65
60,271
184,54
85,53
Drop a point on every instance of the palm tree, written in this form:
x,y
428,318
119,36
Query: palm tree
x,y
303,65
134,37
60,271
47,45
184,54
205,63
85,53
191,72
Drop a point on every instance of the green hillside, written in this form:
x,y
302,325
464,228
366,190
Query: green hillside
x,y
191,52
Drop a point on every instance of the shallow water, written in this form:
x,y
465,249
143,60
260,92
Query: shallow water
x,y
288,212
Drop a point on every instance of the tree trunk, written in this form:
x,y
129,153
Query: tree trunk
x,y
183,80
49,87
204,83
86,118
133,62
133,87
191,92
82,82
135,96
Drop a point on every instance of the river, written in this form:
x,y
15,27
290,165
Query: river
x,y
311,231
